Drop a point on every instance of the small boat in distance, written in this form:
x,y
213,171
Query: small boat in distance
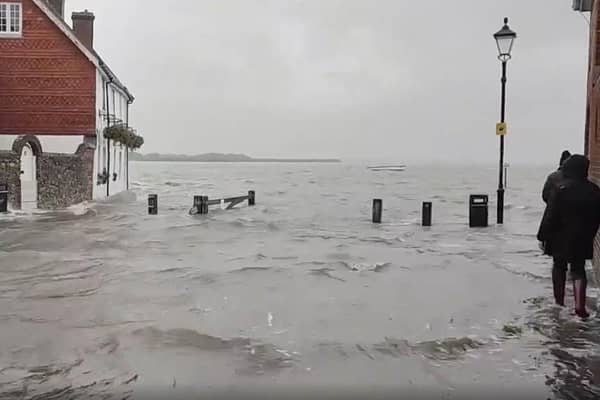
x,y
388,167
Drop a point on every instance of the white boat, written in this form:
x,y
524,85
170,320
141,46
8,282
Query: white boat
x,y
388,167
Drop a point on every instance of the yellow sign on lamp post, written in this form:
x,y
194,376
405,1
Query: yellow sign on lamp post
x,y
501,129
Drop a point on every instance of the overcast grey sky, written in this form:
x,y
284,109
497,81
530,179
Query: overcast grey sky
x,y
401,80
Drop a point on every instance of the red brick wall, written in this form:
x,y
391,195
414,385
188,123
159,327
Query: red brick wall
x,y
593,114
47,86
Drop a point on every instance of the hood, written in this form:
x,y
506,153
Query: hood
x,y
564,157
576,167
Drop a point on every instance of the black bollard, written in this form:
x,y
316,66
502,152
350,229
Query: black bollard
x,y
478,210
377,210
251,198
153,204
3,198
427,211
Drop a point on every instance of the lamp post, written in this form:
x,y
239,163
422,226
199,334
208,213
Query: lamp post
x,y
505,39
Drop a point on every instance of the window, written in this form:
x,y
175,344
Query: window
x,y
10,19
114,103
104,95
104,157
99,135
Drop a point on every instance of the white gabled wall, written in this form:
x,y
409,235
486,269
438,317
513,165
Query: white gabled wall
x,y
99,191
117,106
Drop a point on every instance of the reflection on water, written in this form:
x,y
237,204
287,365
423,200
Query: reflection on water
x,y
104,301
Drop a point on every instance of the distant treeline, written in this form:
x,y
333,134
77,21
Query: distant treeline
x,y
218,157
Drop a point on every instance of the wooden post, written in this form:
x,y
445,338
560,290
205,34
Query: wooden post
x,y
204,205
377,210
427,211
3,198
153,204
197,206
197,201
251,198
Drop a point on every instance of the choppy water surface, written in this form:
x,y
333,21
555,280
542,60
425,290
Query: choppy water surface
x,y
299,291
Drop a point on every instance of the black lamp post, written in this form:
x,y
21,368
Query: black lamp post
x,y
505,39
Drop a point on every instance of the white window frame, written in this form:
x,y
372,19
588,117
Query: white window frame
x,y
104,157
121,107
104,101
120,161
8,33
114,102
114,165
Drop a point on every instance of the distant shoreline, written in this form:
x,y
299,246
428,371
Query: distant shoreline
x,y
225,158
257,160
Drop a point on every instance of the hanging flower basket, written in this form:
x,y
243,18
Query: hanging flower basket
x,y
125,135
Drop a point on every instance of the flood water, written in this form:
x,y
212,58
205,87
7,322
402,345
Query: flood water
x,y
300,292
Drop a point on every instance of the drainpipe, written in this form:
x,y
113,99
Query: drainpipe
x,y
586,140
108,140
127,148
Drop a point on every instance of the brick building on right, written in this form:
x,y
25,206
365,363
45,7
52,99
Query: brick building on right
x,y
592,125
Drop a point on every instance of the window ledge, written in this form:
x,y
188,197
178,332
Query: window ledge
x,y
6,35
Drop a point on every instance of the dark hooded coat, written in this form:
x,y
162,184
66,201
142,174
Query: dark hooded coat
x,y
555,179
552,185
572,218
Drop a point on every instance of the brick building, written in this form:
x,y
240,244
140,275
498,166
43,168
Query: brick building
x,y
592,134
56,97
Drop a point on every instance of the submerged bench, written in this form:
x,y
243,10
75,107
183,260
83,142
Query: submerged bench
x,y
201,203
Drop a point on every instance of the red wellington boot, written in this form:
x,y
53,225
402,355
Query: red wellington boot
x,y
579,289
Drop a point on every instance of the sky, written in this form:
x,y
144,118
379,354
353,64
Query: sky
x,y
396,80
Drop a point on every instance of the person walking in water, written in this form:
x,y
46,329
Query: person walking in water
x,y
555,179
571,223
551,187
